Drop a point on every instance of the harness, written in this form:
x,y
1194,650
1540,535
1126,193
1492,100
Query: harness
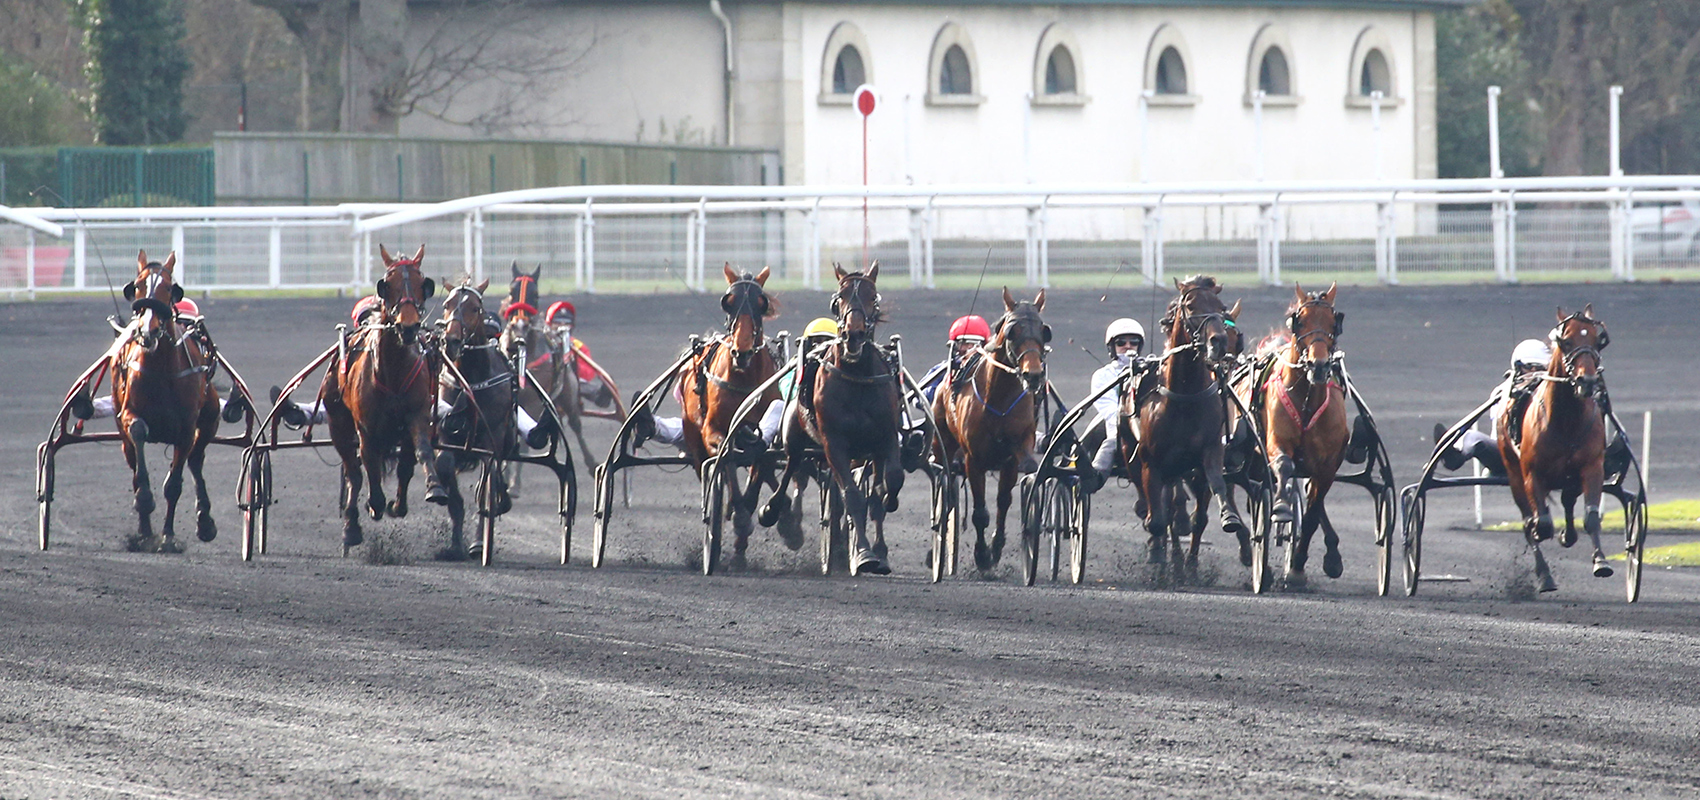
x,y
520,304
1292,409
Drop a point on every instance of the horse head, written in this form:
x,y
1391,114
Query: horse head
x,y
857,308
1021,338
746,304
520,307
1315,325
463,317
1197,320
153,296
403,290
1578,339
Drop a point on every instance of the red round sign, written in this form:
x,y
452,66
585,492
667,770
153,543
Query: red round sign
x,y
865,99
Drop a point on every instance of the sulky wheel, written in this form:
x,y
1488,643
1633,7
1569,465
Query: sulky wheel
x,y
44,491
251,494
1415,506
1077,533
1059,506
599,525
1634,546
958,520
1258,499
944,505
1293,530
714,513
1032,500
1386,503
487,511
835,529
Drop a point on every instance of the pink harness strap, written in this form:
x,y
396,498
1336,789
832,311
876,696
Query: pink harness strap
x,y
1293,410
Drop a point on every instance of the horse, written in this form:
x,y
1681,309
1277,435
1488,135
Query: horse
x,y
480,414
1559,440
849,402
987,412
1182,421
1302,405
554,362
162,392
718,379
378,400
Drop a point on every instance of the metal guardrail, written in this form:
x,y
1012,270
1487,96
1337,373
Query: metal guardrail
x,y
615,236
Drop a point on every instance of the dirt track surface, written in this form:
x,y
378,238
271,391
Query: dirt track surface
x,y
305,674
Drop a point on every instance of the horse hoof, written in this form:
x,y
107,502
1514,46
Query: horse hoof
x,y
738,563
769,517
1295,582
891,504
1282,513
1232,523
351,538
1543,529
475,550
983,558
790,532
396,508
1548,584
1567,537
206,531
435,493
453,552
1602,569
1331,565
866,562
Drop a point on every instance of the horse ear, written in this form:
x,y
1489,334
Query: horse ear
x,y
429,288
537,274
874,272
1178,286
484,285
514,268
141,260
130,291
384,254
170,263
731,277
176,293
761,277
419,256
772,306
1039,301
838,271
1329,295
1299,293
1588,310
1234,313
1561,313
1008,300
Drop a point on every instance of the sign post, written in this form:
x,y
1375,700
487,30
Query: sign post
x,y
865,103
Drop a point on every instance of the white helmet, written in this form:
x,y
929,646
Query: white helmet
x,y
1124,327
1531,353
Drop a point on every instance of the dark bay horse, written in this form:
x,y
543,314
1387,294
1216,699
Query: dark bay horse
x,y
1559,442
480,414
552,360
162,392
1181,423
717,381
379,398
988,415
1303,407
849,404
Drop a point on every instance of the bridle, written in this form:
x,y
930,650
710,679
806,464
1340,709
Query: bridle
x,y
844,309
456,339
393,308
745,298
163,313
1192,325
1570,353
522,286
1004,356
1305,360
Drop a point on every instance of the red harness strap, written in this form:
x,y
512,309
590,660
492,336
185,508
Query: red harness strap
x,y
418,368
1293,410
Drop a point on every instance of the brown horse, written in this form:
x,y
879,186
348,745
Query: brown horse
x,y
551,358
1302,403
480,413
379,399
1182,421
720,377
849,402
988,415
162,392
1559,441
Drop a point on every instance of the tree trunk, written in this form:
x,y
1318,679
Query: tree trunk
x,y
1566,89
322,29
380,68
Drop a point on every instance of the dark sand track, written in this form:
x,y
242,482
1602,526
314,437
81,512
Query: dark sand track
x,y
306,674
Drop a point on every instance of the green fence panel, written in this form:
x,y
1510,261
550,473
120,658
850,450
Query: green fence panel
x,y
29,176
91,177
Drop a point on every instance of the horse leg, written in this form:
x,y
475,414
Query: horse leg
x,y
1567,497
1593,476
1282,511
346,440
1196,522
135,452
1230,513
881,560
1331,563
737,503
577,424
1006,495
1157,513
855,505
780,503
977,489
173,491
1537,527
372,458
444,471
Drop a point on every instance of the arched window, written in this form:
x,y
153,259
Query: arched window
x,y
1371,70
844,64
847,71
1272,76
950,73
1057,76
1270,69
1166,59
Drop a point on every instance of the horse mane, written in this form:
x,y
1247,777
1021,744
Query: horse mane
x,y
1198,282
1272,342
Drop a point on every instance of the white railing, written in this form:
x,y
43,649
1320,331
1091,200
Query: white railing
x,y
620,236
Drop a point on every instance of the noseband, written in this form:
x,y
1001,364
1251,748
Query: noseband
x,y
1192,324
1569,355
855,305
742,299
400,266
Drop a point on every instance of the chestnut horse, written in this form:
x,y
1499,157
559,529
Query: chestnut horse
x,y
1561,441
849,403
1303,409
162,392
379,399
989,415
552,360
1181,423
714,383
479,415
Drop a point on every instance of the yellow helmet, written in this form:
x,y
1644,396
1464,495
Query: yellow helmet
x,y
821,326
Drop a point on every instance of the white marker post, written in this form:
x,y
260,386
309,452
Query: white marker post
x,y
1646,448
865,103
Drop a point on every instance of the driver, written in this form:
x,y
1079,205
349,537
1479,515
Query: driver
x,y
187,312
1528,359
966,334
1125,340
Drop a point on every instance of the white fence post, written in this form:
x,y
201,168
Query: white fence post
x,y
1626,227
29,261
578,250
1496,219
1646,449
177,243
929,223
478,244
916,268
811,265
80,254
274,255
589,247
702,245
1030,252
466,245
1511,235
1381,241
1151,247
1045,243
1392,242
691,249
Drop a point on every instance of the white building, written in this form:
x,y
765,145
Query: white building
x,y
1002,91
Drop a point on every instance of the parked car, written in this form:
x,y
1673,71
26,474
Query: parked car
x,y
1670,231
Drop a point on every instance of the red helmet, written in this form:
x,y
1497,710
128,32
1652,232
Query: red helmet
x,y
188,307
560,307
971,325
368,303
